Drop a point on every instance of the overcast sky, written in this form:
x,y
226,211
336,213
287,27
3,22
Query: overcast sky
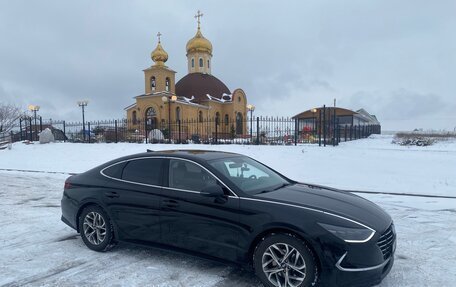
x,y
396,59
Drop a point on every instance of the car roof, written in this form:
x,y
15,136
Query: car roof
x,y
198,155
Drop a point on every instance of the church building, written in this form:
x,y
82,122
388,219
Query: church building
x,y
197,98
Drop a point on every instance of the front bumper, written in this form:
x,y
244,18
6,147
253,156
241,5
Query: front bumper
x,y
363,264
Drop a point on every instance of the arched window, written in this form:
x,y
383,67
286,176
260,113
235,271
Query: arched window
x,y
193,62
217,118
167,83
201,62
226,119
178,114
152,84
200,116
151,119
208,64
133,116
238,123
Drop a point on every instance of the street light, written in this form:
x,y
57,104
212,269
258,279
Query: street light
x,y
251,108
83,104
168,99
34,109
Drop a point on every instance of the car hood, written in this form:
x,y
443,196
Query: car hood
x,y
333,201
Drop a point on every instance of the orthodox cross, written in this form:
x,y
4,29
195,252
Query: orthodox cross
x,y
198,16
159,35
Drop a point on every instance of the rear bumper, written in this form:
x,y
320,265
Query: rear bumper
x,y
69,211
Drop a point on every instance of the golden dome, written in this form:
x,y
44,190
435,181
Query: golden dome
x,y
199,44
159,55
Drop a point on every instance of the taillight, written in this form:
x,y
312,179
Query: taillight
x,y
67,185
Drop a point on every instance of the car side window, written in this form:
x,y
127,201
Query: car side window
x,y
146,171
189,176
115,171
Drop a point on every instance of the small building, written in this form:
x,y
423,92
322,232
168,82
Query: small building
x,y
331,122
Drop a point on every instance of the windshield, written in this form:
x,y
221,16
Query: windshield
x,y
248,175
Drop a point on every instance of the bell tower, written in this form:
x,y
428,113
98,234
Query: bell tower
x,y
158,77
199,51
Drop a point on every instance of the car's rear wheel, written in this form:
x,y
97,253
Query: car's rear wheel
x,y
96,229
284,260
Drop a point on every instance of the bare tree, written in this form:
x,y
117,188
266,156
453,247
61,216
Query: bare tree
x,y
8,115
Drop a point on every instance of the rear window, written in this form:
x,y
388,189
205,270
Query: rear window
x,y
146,171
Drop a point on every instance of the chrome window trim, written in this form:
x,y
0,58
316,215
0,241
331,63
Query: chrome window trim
x,y
321,211
338,266
234,195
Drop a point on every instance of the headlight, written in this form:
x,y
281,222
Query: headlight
x,y
351,235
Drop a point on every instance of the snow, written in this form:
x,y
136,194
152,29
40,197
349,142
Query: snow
x,y
372,164
36,248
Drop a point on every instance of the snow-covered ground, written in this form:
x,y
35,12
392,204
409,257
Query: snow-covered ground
x,y
370,164
36,248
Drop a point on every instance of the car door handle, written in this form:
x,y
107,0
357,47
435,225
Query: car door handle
x,y
170,203
112,194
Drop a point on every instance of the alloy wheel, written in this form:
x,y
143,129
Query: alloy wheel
x,y
283,265
94,228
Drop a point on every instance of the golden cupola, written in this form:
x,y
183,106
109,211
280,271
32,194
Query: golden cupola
x,y
199,43
199,51
159,55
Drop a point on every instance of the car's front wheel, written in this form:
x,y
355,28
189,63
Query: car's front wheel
x,y
284,260
96,229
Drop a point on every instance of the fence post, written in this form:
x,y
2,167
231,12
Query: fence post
x,y
324,125
336,130
319,126
258,131
216,131
64,132
145,128
179,123
20,128
11,137
115,128
296,132
88,127
31,132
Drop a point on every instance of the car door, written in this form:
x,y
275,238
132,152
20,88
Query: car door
x,y
196,222
133,201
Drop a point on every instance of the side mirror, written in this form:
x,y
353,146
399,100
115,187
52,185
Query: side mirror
x,y
213,191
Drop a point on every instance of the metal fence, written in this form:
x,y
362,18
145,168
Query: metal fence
x,y
257,130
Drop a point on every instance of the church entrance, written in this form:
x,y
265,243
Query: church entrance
x,y
151,119
239,124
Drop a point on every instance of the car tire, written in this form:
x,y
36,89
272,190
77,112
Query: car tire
x,y
96,229
285,260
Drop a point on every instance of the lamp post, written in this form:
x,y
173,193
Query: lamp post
x,y
34,109
169,99
251,108
83,104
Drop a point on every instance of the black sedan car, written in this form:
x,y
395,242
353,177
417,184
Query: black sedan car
x,y
231,207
